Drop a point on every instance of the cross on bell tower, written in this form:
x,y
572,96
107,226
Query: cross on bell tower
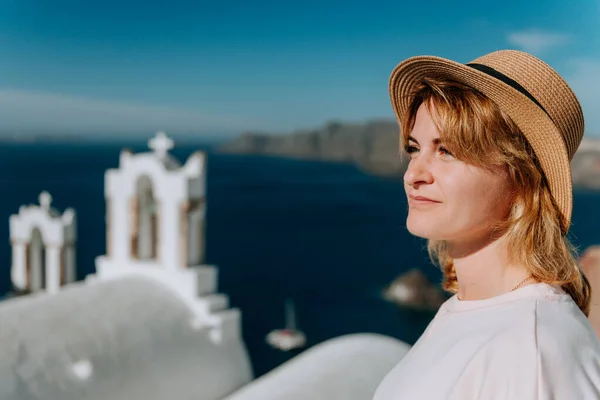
x,y
161,144
45,199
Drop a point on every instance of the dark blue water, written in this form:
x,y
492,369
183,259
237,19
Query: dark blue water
x,y
326,235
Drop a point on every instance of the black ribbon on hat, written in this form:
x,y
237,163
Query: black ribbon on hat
x,y
509,81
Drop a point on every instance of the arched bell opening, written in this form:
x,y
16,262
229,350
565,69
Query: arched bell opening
x,y
36,262
144,237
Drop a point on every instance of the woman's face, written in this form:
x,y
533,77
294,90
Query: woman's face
x,y
449,199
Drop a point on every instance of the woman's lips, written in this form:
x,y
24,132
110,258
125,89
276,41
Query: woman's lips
x,y
421,201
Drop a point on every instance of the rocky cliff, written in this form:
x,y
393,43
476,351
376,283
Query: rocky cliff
x,y
586,165
373,146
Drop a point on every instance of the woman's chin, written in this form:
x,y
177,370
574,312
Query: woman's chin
x,y
423,229
419,231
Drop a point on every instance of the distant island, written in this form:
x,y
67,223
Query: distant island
x,y
373,147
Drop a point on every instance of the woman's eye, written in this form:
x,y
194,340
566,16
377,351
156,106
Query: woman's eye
x,y
445,151
410,149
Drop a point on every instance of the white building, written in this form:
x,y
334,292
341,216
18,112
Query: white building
x,y
155,228
150,324
43,247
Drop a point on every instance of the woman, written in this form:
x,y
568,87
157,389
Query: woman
x,y
489,185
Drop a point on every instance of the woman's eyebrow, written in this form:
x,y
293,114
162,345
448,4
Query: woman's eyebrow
x,y
435,141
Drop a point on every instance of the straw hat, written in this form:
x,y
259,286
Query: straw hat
x,y
535,97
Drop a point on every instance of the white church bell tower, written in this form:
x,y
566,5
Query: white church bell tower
x,y
43,247
155,224
155,209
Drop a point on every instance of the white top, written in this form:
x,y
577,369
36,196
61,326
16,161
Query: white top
x,y
532,343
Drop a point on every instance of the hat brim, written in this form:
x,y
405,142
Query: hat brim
x,y
537,127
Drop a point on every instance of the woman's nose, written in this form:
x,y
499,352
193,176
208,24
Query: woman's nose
x,y
418,171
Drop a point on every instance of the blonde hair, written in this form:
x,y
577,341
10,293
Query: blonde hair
x,y
478,132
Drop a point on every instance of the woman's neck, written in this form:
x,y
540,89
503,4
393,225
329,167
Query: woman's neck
x,y
483,269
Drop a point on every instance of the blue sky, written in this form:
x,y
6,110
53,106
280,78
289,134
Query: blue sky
x,y
116,67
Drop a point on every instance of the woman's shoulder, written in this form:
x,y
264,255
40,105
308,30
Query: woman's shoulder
x,y
551,316
543,319
568,351
561,326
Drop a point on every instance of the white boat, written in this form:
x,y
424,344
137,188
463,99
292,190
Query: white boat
x,y
290,337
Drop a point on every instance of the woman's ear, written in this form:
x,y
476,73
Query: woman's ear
x,y
518,207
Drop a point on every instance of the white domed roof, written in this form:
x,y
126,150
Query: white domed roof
x,y
119,339
348,367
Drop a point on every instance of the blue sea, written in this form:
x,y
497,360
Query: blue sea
x,y
324,234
